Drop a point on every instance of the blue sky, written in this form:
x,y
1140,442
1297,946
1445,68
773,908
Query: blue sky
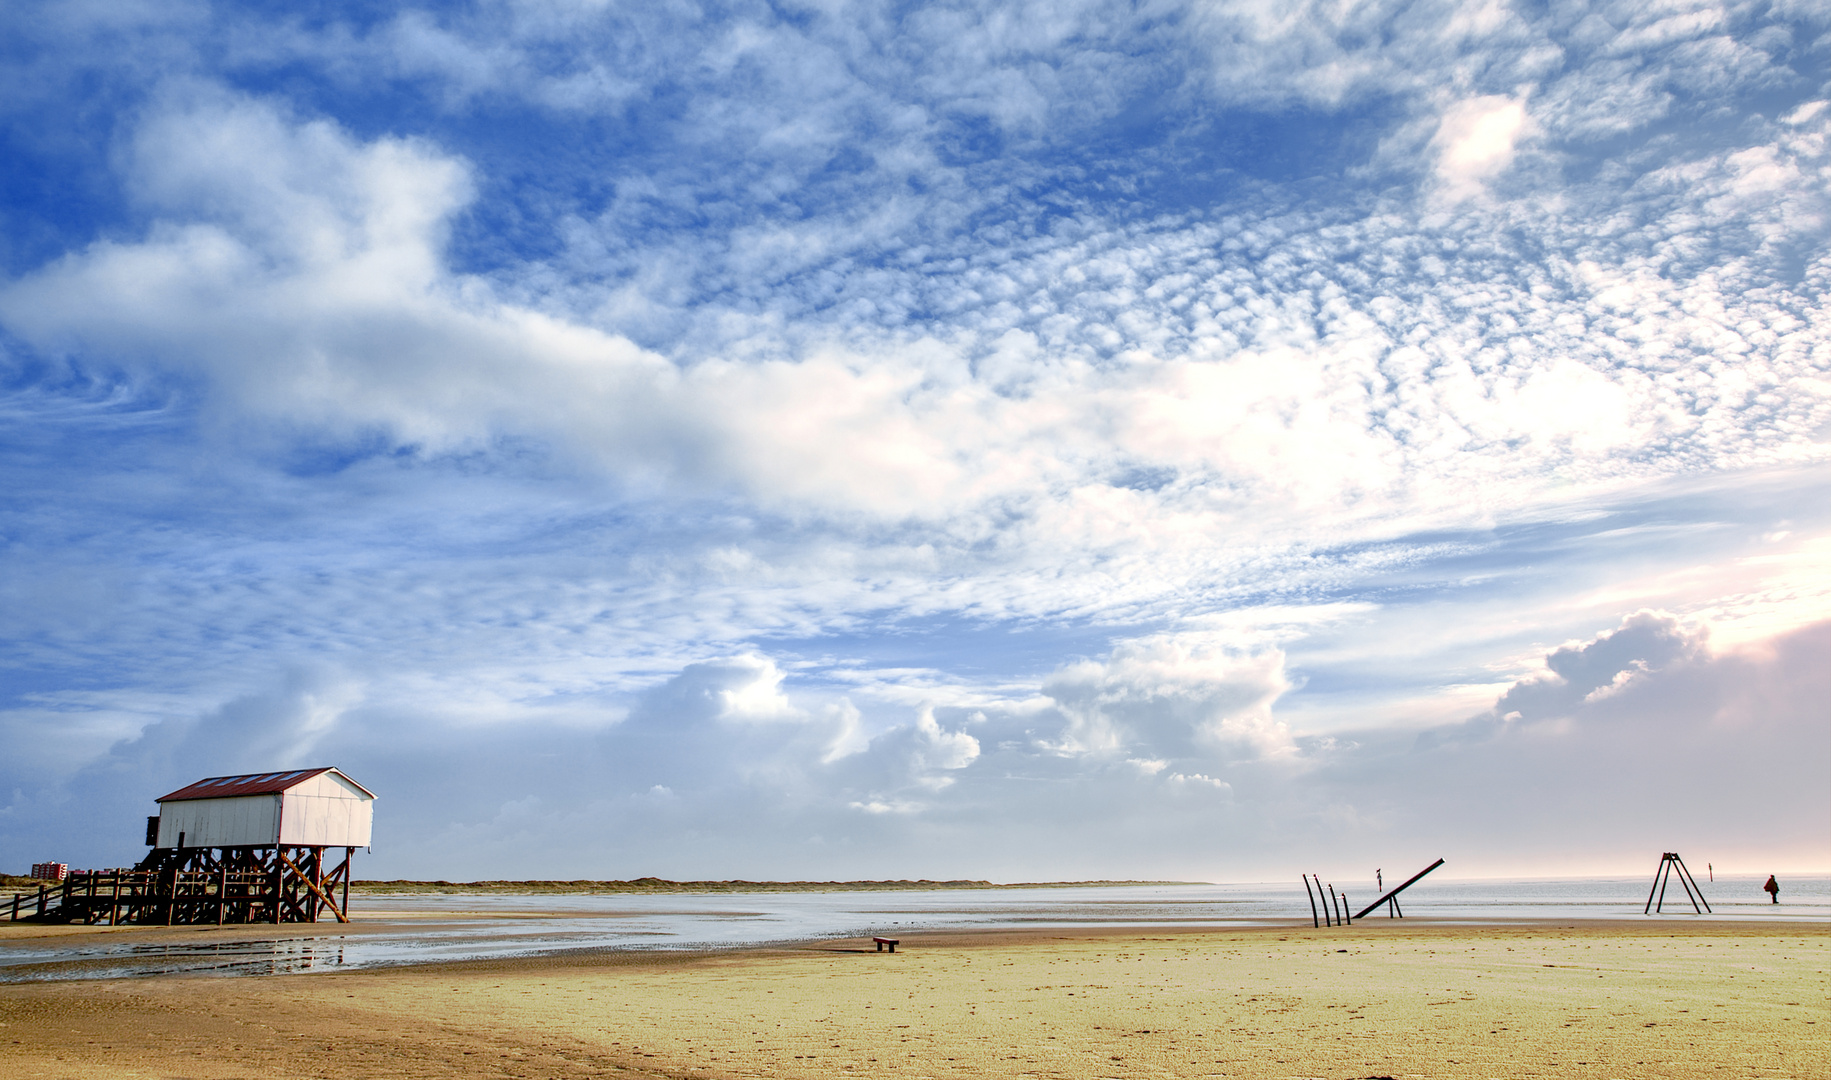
x,y
1024,441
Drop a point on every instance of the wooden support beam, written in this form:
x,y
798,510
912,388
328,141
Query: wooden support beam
x,y
1398,889
313,886
1685,872
195,887
1669,864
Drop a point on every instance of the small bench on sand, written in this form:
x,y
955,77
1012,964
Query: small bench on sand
x,y
883,941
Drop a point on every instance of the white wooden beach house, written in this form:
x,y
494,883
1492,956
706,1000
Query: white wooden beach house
x,y
292,808
251,848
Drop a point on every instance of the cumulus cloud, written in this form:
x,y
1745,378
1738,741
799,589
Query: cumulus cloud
x,y
292,722
902,768
992,791
283,726
301,273
1173,697
1686,743
716,722
1584,673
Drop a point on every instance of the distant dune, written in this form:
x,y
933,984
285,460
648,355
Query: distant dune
x,y
662,885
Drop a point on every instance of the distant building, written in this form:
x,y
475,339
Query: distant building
x,y
50,871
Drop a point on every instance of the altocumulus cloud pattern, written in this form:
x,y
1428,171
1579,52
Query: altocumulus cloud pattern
x,y
1004,440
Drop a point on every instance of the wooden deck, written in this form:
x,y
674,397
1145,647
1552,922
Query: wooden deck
x,y
197,886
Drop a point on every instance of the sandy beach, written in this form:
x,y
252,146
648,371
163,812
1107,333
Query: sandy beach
x,y
1661,999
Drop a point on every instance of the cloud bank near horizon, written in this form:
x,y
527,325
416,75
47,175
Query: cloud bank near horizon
x,y
871,429
1159,748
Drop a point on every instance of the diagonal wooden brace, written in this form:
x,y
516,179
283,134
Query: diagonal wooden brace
x,y
313,886
1396,891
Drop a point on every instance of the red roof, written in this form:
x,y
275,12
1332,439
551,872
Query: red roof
x,y
269,783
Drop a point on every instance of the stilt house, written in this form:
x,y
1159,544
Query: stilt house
x,y
258,847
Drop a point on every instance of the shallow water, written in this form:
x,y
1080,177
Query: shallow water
x,y
415,929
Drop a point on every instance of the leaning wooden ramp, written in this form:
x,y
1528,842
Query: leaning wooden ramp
x,y
198,887
1391,896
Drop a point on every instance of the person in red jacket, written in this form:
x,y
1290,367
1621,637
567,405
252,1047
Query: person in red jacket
x,y
1772,888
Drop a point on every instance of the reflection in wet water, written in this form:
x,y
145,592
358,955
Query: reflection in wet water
x,y
244,957
285,957
418,929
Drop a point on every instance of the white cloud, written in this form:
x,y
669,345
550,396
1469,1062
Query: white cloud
x,y
1200,780
1581,674
877,806
904,769
1568,401
1806,113
1476,141
302,271
1180,697
937,749
757,695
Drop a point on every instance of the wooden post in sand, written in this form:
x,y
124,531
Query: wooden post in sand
x,y
1314,921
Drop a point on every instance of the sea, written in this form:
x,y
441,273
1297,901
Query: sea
x,y
405,929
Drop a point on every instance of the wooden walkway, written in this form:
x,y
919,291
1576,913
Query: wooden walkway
x,y
197,886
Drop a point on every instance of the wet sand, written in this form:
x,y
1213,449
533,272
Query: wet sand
x,y
366,921
1664,998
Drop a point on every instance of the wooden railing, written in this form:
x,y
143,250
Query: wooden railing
x,y
37,901
266,886
114,897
